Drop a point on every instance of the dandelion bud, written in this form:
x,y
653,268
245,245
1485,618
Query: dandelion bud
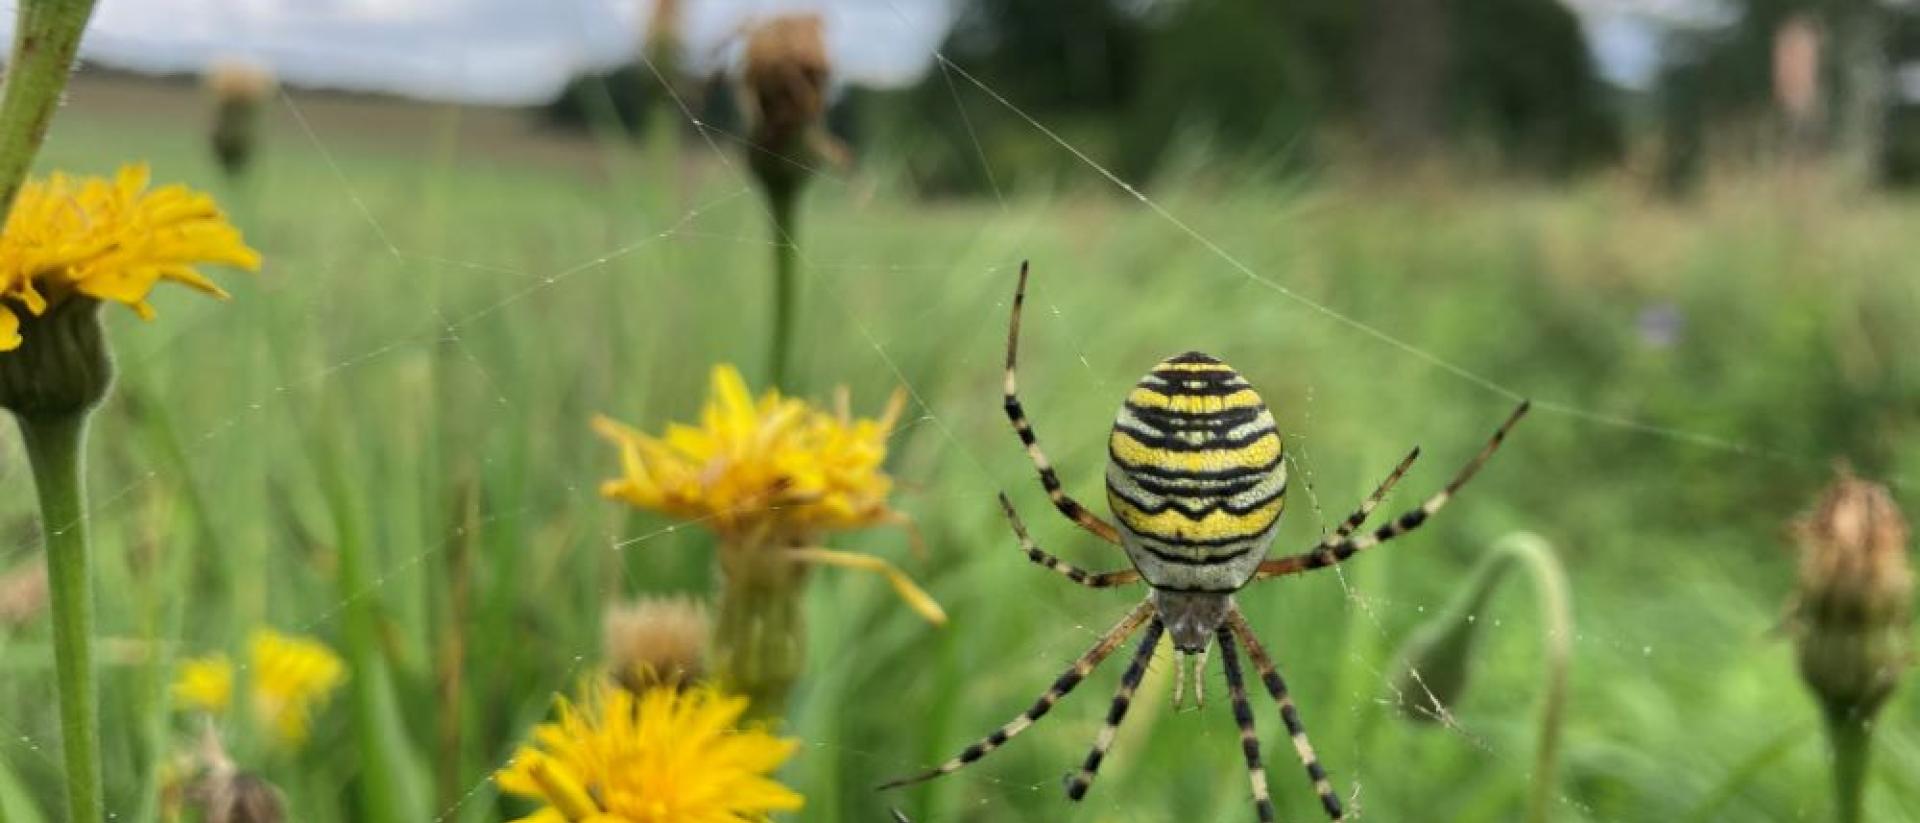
x,y
1854,604
656,641
1855,598
62,367
238,88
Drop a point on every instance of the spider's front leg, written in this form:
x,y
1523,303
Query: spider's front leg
x,y
1339,547
1018,417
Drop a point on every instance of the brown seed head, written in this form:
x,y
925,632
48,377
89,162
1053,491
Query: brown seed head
x,y
786,80
1855,599
656,640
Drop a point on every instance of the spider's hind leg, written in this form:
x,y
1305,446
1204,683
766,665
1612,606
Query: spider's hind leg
x,y
1078,784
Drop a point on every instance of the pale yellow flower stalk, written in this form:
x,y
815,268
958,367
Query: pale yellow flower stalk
x,y
771,478
664,755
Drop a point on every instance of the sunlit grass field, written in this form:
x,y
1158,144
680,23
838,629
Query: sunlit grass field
x,y
383,441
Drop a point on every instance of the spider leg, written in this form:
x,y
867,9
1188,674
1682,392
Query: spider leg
x,y
1338,548
1243,717
1360,515
1018,416
1077,785
1061,686
1092,580
1270,677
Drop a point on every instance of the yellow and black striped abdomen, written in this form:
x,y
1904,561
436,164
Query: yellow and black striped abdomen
x,y
1196,475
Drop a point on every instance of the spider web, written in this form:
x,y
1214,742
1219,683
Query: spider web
x,y
989,463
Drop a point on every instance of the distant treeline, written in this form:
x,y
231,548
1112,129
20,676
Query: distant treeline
x,y
1152,88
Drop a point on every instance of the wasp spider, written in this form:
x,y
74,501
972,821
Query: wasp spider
x,y
1196,478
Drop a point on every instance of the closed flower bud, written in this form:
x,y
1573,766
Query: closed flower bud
x,y
785,87
656,641
1855,598
63,367
239,89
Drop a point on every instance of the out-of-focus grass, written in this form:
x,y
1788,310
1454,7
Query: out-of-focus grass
x,y
298,458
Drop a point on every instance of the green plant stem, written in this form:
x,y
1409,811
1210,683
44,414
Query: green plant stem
x,y
54,445
1851,748
782,203
759,637
1551,590
46,35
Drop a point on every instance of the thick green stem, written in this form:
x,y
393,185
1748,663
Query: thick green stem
x,y
54,445
1851,747
760,641
782,201
46,36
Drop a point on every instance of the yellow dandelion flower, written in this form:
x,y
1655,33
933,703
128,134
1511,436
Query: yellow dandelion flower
x,y
661,756
774,473
109,240
290,676
205,684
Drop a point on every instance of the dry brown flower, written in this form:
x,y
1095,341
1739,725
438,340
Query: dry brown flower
x,y
656,640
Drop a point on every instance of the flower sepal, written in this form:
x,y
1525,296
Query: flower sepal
x,y
64,367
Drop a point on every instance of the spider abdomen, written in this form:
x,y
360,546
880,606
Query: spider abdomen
x,y
1196,475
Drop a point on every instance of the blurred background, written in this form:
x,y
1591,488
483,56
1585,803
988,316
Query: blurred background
x,y
1686,228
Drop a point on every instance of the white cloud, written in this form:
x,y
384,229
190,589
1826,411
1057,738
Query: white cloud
x,y
508,51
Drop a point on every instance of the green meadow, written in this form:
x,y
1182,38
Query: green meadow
x,y
383,441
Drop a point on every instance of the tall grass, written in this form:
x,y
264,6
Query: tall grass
x,y
299,459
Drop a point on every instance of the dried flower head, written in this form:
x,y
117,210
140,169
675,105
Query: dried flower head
x,y
236,798
663,755
236,79
656,641
1855,597
785,79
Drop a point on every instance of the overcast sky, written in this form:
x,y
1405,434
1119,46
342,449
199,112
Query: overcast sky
x,y
519,51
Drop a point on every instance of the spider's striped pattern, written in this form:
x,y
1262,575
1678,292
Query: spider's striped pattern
x,y
1197,478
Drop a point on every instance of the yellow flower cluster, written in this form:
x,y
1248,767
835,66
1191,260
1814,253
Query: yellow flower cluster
x,y
289,676
109,240
662,756
778,466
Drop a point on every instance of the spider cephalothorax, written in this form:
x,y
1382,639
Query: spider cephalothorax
x,y
1197,479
